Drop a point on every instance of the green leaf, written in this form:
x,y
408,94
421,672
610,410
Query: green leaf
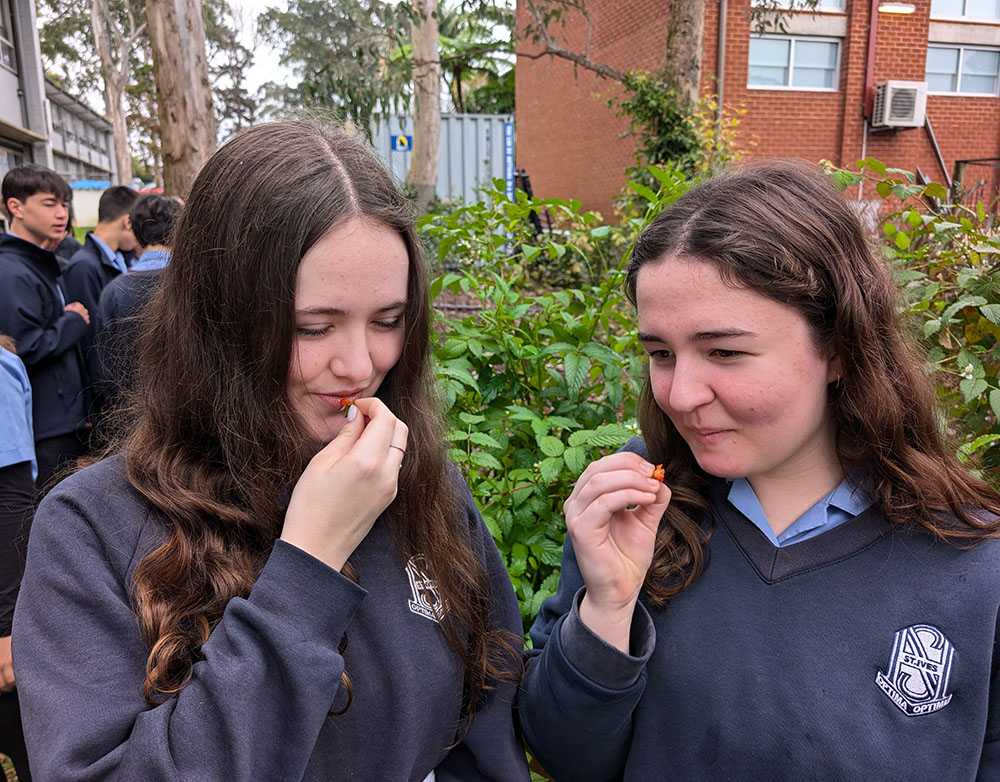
x,y
551,446
936,190
530,252
611,436
902,240
577,366
972,388
991,312
931,327
995,402
550,469
642,190
968,301
518,559
484,440
580,438
600,231
883,189
981,442
576,460
487,460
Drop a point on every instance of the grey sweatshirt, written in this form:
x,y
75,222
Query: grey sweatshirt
x,y
256,708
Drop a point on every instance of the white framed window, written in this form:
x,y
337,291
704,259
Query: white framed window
x,y
822,6
963,69
988,10
793,63
7,56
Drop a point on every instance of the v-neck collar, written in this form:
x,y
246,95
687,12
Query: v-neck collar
x,y
774,563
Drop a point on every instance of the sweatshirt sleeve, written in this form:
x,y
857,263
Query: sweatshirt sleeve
x,y
253,707
37,340
989,762
575,706
492,748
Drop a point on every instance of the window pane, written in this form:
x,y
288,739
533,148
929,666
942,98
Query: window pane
x,y
768,62
979,71
983,9
815,63
946,7
942,69
812,77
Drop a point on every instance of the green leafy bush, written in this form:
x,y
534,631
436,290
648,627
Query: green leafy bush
x,y
538,384
947,260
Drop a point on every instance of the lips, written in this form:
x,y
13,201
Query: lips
x,y
334,400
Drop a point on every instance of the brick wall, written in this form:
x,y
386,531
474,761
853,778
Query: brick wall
x,y
569,141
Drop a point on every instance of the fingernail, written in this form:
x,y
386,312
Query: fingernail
x,y
352,413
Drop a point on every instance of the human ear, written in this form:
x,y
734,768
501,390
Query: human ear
x,y
834,370
14,208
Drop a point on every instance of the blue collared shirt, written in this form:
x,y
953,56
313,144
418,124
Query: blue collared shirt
x,y
151,259
17,440
842,504
114,257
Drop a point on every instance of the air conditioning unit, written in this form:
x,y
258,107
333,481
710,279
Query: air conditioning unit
x,y
899,104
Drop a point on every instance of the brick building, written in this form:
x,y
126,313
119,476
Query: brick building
x,y
803,89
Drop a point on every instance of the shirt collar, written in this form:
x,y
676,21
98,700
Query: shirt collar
x,y
842,504
113,257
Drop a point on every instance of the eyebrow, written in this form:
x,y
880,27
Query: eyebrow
x,y
396,305
703,336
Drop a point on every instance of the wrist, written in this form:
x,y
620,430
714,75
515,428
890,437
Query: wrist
x,y
613,624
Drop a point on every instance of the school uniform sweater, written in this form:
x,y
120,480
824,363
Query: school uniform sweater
x,y
868,652
32,311
257,707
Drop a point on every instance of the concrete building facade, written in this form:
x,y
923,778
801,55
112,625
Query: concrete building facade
x,y
39,123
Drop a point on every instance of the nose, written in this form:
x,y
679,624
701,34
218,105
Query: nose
x,y
690,386
352,361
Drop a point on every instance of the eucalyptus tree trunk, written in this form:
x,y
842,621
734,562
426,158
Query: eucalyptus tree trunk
x,y
183,90
114,49
685,38
426,104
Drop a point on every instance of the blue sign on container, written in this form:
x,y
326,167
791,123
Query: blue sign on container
x,y
508,157
401,143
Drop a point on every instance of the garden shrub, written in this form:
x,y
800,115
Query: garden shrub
x,y
539,383
947,260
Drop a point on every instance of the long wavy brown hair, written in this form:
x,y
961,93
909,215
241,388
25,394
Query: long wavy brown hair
x,y
783,231
215,444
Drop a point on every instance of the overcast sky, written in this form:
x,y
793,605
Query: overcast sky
x,y
265,61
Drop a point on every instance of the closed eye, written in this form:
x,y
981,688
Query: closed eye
x,y
390,324
313,332
727,354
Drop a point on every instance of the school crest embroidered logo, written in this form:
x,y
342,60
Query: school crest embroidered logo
x,y
919,668
425,599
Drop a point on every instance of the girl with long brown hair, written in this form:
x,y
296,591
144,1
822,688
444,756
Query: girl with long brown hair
x,y
258,586
812,592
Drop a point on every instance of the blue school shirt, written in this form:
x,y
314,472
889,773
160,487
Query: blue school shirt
x,y
17,439
114,256
840,505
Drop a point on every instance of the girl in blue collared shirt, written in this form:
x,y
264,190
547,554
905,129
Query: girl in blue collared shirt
x,y
801,597
17,485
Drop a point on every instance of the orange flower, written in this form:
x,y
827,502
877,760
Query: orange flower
x,y
658,473
345,402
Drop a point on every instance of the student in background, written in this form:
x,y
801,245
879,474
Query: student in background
x,y
67,247
126,297
257,587
813,590
17,492
96,264
34,312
